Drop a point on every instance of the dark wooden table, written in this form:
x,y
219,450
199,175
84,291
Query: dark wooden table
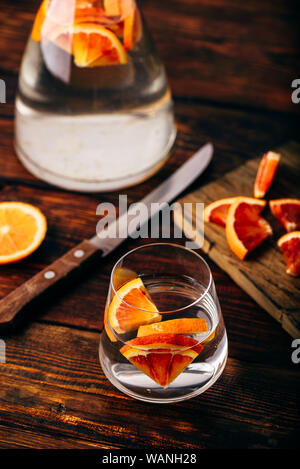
x,y
230,65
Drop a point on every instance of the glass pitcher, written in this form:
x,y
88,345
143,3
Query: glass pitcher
x,y
93,110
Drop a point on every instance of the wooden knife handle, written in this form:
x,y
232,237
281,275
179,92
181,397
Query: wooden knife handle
x,y
12,304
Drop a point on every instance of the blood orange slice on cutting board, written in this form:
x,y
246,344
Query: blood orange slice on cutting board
x,y
266,172
162,357
287,211
217,211
290,247
245,228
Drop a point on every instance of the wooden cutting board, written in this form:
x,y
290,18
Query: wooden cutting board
x,y
262,275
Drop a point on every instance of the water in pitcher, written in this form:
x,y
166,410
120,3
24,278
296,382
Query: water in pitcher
x,y
93,110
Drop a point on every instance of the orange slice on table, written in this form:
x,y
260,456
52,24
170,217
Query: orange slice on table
x,y
90,44
245,228
266,172
22,229
175,326
217,211
162,357
132,307
290,247
287,211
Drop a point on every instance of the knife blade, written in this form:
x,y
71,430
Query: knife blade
x,y
104,242
155,201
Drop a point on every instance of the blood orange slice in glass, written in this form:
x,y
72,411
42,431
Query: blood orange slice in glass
x,y
162,357
175,326
132,307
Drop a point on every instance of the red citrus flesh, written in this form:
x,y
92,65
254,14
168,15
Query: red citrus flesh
x,y
265,174
290,247
216,212
162,357
287,211
245,229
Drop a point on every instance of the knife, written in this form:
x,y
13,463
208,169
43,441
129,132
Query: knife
x,y
166,192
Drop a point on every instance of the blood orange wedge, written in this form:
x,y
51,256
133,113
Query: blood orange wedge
x,y
118,8
217,211
132,307
265,174
90,44
287,211
39,21
22,229
122,275
175,326
290,246
162,357
245,229
132,29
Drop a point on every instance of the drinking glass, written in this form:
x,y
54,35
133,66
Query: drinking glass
x,y
164,338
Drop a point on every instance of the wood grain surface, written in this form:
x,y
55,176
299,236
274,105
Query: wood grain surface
x,y
262,275
230,65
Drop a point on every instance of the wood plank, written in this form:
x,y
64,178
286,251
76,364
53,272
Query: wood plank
x,y
52,384
262,275
210,48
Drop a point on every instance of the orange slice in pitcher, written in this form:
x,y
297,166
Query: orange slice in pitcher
x,y
90,44
217,211
265,174
162,357
39,21
287,211
132,307
245,229
118,8
290,247
22,229
132,29
175,326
